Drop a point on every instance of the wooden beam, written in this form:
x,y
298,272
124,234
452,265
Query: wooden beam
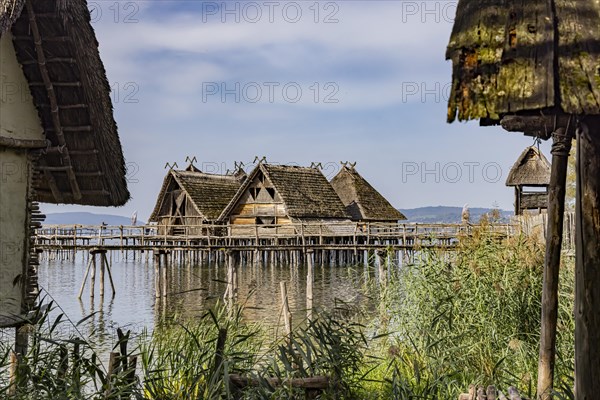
x,y
58,149
45,39
538,125
52,98
81,128
65,106
56,193
556,207
66,60
55,84
587,269
23,143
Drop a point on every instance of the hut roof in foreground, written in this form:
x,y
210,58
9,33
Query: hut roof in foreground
x,y
361,199
209,193
305,191
84,162
521,57
531,169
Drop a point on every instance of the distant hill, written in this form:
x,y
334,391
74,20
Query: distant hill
x,y
444,214
437,214
86,218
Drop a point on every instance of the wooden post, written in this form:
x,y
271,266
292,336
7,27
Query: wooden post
x,y
108,269
156,273
381,265
287,315
164,274
556,208
102,266
310,273
93,276
13,378
87,271
587,269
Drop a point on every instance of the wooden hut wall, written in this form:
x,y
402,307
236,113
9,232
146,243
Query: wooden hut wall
x,y
260,204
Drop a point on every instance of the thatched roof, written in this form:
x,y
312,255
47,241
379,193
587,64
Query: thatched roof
x,y
305,192
57,48
361,199
524,57
531,169
209,193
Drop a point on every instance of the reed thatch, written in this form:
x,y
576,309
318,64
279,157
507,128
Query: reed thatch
x,y
305,192
531,169
524,57
362,201
84,162
209,193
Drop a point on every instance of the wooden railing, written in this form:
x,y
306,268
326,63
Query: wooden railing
x,y
347,232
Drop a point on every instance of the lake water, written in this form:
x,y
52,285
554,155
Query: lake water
x,y
192,290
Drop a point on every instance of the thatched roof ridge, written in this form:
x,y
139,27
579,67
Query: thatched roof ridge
x,y
210,193
305,191
531,169
361,199
85,154
524,57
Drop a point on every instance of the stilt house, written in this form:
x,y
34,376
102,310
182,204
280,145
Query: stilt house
x,y
279,195
192,198
362,201
530,176
58,137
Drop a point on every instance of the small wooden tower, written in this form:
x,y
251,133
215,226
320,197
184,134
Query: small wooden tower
x,y
531,171
533,67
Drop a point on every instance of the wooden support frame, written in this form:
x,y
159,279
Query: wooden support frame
x,y
54,111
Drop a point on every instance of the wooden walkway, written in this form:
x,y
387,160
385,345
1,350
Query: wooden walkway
x,y
340,236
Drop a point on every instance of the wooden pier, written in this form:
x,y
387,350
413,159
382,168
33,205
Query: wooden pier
x,y
325,236
289,244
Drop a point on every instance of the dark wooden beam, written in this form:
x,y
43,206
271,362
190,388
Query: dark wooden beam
x,y
23,143
561,147
52,99
538,125
587,269
65,60
55,84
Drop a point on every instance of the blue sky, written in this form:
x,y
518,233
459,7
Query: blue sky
x,y
297,82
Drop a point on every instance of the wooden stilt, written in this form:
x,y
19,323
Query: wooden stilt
x,y
87,271
556,208
93,276
310,280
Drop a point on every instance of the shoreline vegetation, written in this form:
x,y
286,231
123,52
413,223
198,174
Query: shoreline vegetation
x,y
450,320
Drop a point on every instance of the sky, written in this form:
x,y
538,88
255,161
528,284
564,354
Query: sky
x,y
296,82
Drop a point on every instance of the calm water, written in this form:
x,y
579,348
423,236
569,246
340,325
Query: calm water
x,y
193,289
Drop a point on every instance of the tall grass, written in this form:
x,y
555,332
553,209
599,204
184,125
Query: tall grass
x,y
473,318
442,323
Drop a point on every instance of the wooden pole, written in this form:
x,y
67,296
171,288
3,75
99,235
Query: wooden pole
x,y
556,208
102,266
587,269
310,273
287,315
93,276
156,273
110,278
381,265
87,271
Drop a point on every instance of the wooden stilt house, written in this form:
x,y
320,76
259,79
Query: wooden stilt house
x,y
362,201
188,199
274,196
530,176
58,137
533,67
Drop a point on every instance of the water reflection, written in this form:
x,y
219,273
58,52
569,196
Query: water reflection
x,y
192,289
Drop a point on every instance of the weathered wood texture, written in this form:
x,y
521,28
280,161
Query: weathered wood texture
x,y
587,270
556,209
524,56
